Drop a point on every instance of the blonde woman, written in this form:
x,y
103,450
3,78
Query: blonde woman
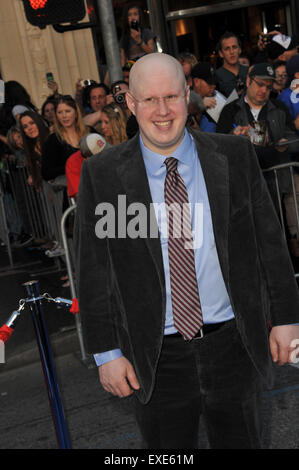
x,y
113,124
64,141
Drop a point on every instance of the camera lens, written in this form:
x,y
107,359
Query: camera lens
x,y
120,99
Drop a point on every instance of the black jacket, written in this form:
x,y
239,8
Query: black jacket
x,y
121,282
279,123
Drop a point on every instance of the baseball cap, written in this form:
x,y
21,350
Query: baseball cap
x,y
204,71
18,109
263,70
280,44
91,144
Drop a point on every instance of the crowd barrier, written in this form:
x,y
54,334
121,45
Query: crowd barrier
x,y
283,183
46,214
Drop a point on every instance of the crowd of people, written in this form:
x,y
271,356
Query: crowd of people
x,y
138,300
263,110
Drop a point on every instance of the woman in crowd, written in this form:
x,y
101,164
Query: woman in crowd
x,y
187,61
34,133
64,141
15,96
281,78
14,139
48,112
113,124
136,40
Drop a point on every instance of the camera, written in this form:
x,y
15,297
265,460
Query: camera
x,y
135,25
86,82
120,99
267,38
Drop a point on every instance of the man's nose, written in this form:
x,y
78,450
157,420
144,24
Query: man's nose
x,y
162,107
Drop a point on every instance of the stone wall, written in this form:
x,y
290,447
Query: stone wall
x,y
27,53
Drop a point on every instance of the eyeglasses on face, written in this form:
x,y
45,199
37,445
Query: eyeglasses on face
x,y
152,102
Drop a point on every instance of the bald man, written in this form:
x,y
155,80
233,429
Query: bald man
x,y
180,326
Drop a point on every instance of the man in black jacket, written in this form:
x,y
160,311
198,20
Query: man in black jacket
x,y
264,121
138,292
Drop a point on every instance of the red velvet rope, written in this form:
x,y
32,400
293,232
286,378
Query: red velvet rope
x,y
75,306
5,333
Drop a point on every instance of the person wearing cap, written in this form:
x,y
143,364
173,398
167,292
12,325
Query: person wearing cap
x,y
232,75
265,121
254,106
90,144
203,85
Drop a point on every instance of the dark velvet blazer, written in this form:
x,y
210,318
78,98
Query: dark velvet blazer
x,y
121,284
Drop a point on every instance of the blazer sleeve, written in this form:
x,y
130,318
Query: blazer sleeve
x,y
273,252
93,272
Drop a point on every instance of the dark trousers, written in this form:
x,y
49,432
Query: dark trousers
x,y
212,377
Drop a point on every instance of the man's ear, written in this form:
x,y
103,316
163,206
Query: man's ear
x,y
220,53
130,103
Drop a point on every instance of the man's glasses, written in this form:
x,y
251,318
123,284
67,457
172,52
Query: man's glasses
x,y
153,102
263,85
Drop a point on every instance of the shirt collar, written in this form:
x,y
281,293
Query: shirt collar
x,y
154,161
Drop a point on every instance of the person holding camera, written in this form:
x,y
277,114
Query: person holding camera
x,y
119,90
94,98
136,40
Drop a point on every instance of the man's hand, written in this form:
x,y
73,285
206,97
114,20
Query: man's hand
x,y
284,343
118,377
209,102
242,130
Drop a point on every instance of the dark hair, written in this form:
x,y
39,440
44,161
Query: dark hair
x,y
118,82
278,63
32,157
227,35
87,90
48,100
15,94
125,37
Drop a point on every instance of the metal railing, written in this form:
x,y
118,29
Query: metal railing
x,y
287,200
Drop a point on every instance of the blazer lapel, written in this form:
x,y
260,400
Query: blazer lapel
x,y
132,174
215,170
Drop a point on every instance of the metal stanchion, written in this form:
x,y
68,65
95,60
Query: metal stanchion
x,y
71,278
32,289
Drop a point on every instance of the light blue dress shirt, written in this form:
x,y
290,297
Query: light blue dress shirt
x,y
214,298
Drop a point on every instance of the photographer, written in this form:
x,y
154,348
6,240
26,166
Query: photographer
x,y
119,90
94,98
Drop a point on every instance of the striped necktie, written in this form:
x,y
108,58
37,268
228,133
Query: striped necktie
x,y
186,306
